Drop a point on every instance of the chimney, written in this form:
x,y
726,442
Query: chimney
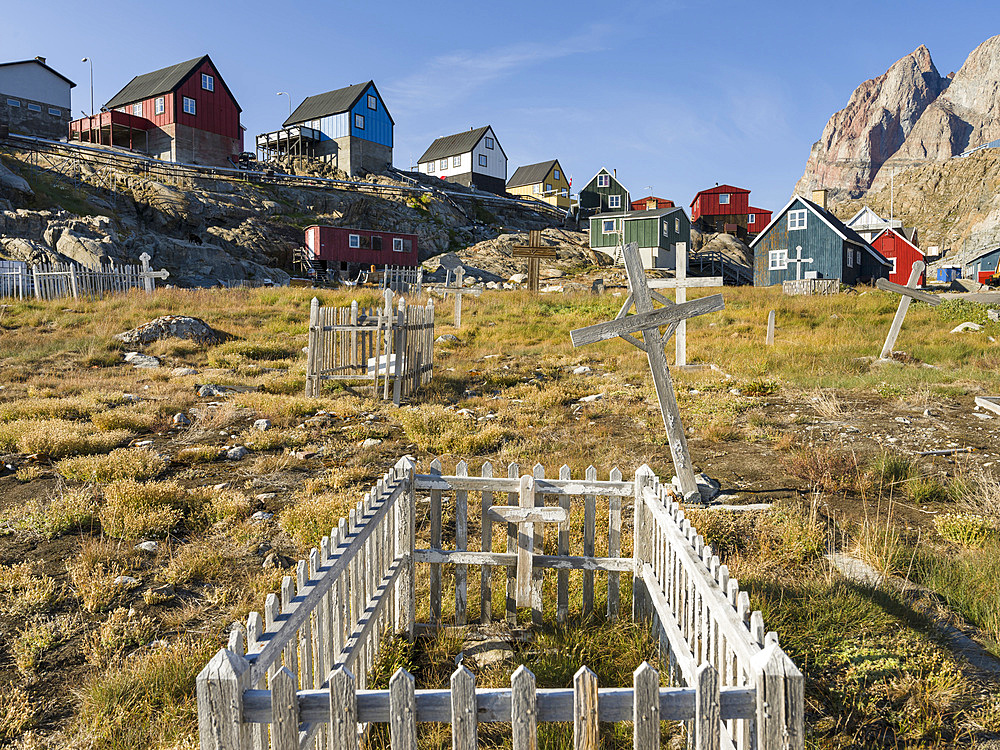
x,y
819,198
40,59
614,171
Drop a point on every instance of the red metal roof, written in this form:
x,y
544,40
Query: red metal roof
x,y
719,189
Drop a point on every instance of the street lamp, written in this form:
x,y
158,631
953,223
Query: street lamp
x,y
88,60
285,93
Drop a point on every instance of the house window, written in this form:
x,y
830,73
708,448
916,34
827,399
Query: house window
x,y
489,143
562,192
13,103
677,226
666,227
137,109
190,106
430,167
751,219
158,106
482,160
354,240
359,121
548,188
555,173
892,268
603,180
377,242
34,107
207,82
608,226
797,219
723,199
456,161
54,111
777,260
850,259
614,201
397,244
444,164
859,259
372,102
536,189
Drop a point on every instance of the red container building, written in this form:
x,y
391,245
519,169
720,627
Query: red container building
x,y
722,201
333,249
901,253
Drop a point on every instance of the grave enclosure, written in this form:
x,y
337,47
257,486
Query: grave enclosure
x,y
297,676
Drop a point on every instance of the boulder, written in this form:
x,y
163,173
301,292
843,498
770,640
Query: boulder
x,y
172,326
142,360
13,184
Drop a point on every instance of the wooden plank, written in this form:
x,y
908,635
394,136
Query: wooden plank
x,y
343,722
403,711
887,286
284,711
486,579
517,515
435,577
586,735
523,712
688,282
511,599
646,708
553,562
525,544
463,710
589,535
562,549
220,686
708,713
614,547
642,321
512,484
537,574
461,544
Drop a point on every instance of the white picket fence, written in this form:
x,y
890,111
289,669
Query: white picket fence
x,y
48,281
297,677
402,279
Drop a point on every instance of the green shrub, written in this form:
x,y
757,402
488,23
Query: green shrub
x,y
966,529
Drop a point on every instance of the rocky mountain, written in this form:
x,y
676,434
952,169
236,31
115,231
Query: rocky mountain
x,y
212,231
908,116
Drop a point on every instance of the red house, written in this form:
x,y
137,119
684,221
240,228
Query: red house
x,y
900,252
333,249
185,113
651,203
757,219
721,202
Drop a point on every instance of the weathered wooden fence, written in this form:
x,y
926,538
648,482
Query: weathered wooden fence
x,y
376,344
403,279
60,280
811,286
296,677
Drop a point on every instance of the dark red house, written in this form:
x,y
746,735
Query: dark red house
x,y
722,201
333,249
185,113
651,203
901,253
757,219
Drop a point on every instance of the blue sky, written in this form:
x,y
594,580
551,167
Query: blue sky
x,y
674,95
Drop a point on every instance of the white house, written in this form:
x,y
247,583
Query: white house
x,y
472,158
34,99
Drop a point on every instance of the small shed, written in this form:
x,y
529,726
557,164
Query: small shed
x,y
901,253
345,249
651,202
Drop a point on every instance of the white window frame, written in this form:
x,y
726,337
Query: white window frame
x,y
536,189
34,107
456,161
666,227
723,199
893,261
777,260
359,121
159,105
397,245
603,180
372,102
430,166
858,259
604,226
555,173
207,82
614,201
489,143
13,103
54,111
797,219
193,110
354,241
483,161
751,218
677,225
444,164
850,258
137,109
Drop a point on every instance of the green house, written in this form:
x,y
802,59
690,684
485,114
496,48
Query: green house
x,y
603,193
656,232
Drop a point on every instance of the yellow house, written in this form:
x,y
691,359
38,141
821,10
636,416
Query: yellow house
x,y
544,181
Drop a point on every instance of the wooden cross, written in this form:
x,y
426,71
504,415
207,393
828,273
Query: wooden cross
x,y
906,293
526,515
458,290
533,251
647,321
681,283
800,260
148,274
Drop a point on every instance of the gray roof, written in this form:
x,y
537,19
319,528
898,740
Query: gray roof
x,y
531,174
452,145
47,67
331,103
649,213
162,81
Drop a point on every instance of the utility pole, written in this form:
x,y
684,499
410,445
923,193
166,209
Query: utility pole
x,y
88,60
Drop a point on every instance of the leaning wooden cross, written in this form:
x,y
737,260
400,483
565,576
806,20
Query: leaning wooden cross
x,y
534,251
908,292
647,321
148,274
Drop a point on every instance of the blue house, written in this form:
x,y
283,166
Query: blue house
x,y
984,263
806,241
349,127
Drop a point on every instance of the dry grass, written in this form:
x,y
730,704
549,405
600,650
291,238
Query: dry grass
x,y
25,592
140,418
124,463
17,713
38,637
311,516
122,631
133,510
273,439
94,571
58,438
69,510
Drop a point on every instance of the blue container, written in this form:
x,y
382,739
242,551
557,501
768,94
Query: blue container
x,y
949,273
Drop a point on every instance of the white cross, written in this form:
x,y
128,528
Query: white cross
x,y
800,260
647,321
148,274
908,292
457,290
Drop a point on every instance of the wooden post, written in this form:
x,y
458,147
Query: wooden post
x,y
313,358
680,295
770,329
463,710
589,534
641,547
586,735
904,304
562,549
284,711
461,544
645,708
402,711
400,343
525,543
486,575
435,577
523,710
72,280
707,711
220,687
405,546
780,686
459,283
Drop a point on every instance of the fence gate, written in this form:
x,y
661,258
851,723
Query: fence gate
x,y
297,677
373,344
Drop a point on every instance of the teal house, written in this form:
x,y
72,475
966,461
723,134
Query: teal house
x,y
806,241
603,193
656,232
